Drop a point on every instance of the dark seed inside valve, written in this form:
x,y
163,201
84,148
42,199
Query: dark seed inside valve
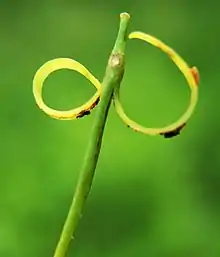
x,y
83,113
173,133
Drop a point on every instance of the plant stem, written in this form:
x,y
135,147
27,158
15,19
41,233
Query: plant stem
x,y
113,77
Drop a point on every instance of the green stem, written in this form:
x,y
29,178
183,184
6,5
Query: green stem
x,y
113,77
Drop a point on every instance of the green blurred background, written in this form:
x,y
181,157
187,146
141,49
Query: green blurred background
x,y
151,196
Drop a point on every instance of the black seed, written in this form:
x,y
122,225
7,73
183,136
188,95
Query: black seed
x,y
83,113
170,134
173,133
97,101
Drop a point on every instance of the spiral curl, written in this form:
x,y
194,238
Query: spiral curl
x,y
191,75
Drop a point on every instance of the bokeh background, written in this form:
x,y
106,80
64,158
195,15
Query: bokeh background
x,y
151,196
